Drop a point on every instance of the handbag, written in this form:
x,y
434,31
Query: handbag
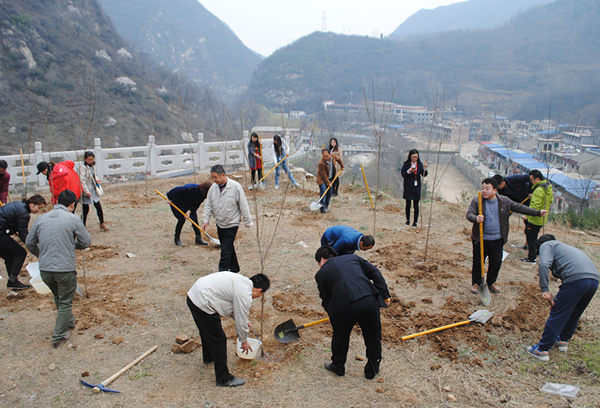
x,y
99,190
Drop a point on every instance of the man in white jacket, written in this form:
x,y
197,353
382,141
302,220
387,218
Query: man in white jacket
x,y
226,201
223,294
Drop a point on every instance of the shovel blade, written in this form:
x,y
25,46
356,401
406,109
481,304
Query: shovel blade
x,y
214,240
287,332
315,205
484,294
481,316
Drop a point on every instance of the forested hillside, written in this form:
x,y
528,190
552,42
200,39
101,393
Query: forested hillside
x,y
66,77
466,15
547,55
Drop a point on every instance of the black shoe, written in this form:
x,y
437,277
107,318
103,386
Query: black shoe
x,y
63,340
200,241
371,369
527,260
407,223
178,241
17,285
330,367
234,382
414,225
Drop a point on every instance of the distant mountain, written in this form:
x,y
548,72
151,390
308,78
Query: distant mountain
x,y
64,72
185,37
548,55
467,15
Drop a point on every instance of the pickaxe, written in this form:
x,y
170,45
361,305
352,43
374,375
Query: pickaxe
x,y
102,386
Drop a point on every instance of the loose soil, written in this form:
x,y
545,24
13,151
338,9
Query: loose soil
x,y
136,282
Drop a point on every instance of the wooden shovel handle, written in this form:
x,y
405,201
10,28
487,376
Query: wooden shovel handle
x,y
330,184
481,238
269,172
182,213
96,390
435,330
317,322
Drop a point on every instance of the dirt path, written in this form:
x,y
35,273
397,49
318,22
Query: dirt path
x,y
138,302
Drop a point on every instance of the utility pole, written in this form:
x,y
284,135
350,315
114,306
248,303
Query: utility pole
x,y
324,25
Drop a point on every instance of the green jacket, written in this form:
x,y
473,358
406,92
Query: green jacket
x,y
540,200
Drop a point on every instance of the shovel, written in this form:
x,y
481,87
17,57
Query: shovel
x,y
287,331
482,290
212,240
102,386
316,205
480,316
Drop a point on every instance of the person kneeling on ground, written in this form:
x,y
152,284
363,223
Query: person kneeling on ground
x,y
345,240
579,277
496,213
217,295
54,238
352,290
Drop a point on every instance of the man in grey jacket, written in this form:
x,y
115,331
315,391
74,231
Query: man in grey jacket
x,y
226,201
579,277
223,294
496,212
53,239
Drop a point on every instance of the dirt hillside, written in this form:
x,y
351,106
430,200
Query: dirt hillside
x,y
137,281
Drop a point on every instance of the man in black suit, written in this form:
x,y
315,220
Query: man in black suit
x,y
352,290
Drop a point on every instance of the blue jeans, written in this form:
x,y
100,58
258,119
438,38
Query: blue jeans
x,y
569,303
285,168
325,200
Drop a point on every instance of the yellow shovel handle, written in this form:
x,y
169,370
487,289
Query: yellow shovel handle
x,y
22,166
182,213
435,330
592,243
367,185
330,184
317,322
281,161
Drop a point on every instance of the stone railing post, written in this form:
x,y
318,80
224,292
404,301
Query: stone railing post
x,y
100,162
39,157
152,156
245,147
202,158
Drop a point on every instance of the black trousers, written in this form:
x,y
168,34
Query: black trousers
x,y
228,261
335,186
86,210
214,341
181,220
14,256
531,232
253,173
365,312
408,204
492,250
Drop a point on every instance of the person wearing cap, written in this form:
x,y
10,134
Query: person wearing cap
x,y
346,240
54,238
579,282
14,219
4,181
45,168
352,290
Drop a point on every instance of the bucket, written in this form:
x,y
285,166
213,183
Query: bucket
x,y
33,269
254,344
39,285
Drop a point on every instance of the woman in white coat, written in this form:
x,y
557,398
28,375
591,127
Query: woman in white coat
x,y
90,185
279,152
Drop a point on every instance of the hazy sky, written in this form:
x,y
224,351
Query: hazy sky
x,y
266,25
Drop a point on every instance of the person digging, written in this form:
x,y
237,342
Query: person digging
x,y
188,198
218,295
495,219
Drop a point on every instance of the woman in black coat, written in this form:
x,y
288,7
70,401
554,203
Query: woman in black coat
x,y
14,219
412,171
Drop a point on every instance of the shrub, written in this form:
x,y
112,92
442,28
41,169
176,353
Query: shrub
x,y
589,220
23,21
